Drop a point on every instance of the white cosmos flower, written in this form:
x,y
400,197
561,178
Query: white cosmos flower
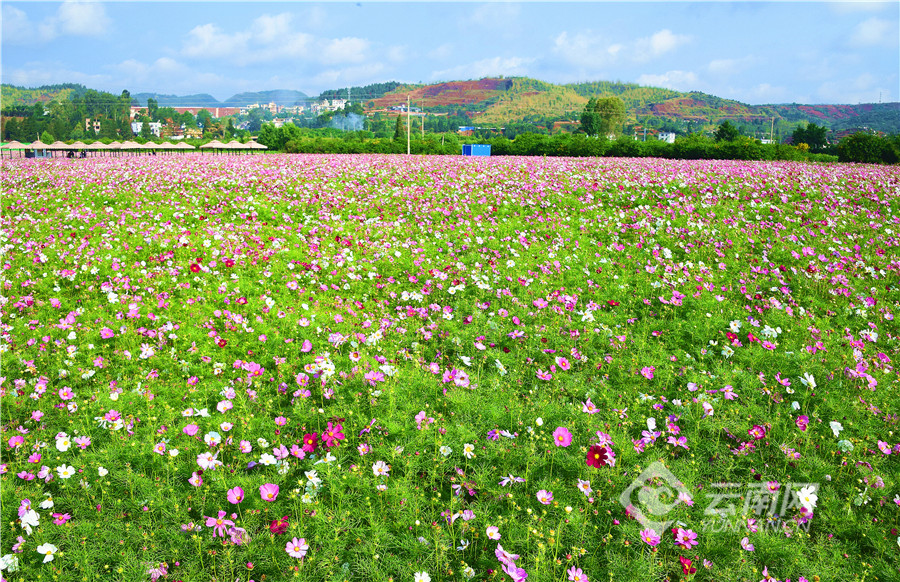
x,y
10,563
836,427
63,443
808,497
65,471
48,550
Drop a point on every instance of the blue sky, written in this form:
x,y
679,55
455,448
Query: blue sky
x,y
755,52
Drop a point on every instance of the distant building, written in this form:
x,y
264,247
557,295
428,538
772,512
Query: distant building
x,y
92,125
666,136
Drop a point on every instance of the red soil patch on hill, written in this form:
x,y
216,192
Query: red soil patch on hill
x,y
453,93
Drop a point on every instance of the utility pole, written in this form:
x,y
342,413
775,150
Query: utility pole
x,y
772,131
408,124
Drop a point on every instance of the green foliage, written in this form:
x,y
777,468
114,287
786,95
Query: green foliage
x,y
364,93
868,148
727,132
812,135
47,138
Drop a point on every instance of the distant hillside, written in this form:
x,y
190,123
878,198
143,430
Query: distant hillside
x,y
525,102
468,95
199,100
11,95
360,94
282,97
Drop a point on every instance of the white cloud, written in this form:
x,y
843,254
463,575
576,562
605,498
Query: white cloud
x,y
508,66
728,67
677,80
660,43
16,26
271,38
766,93
356,75
82,18
207,41
70,19
47,73
864,88
269,29
586,49
345,50
592,51
874,32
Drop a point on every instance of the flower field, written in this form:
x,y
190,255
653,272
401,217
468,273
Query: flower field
x,y
444,368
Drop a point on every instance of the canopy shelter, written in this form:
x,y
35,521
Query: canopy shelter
x,y
15,149
215,145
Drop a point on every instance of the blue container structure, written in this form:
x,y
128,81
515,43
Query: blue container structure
x,y
475,149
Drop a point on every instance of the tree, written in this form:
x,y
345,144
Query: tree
x,y
399,128
603,116
812,135
152,106
11,129
727,132
590,119
47,138
867,148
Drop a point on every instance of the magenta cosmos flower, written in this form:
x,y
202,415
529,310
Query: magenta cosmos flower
x,y
650,537
757,432
268,492
235,495
562,437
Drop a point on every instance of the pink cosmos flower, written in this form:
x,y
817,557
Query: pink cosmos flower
x,y
684,538
297,548
647,372
505,557
589,407
562,437
196,480
545,497
746,545
650,537
802,422
268,492
107,333
576,575
884,447
235,495
493,532
61,518
219,524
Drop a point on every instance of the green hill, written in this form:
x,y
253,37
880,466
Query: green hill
x,y
11,95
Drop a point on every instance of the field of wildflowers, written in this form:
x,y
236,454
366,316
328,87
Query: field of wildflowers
x,y
442,368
